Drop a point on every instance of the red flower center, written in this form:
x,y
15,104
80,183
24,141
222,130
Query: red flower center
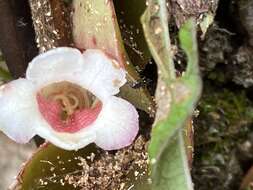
x,y
63,110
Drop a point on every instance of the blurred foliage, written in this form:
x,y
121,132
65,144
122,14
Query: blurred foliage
x,y
4,74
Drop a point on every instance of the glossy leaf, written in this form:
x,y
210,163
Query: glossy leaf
x,y
50,165
128,14
95,26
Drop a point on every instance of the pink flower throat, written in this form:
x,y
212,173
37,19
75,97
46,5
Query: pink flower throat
x,y
79,119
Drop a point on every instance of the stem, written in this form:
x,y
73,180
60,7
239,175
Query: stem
x,y
155,26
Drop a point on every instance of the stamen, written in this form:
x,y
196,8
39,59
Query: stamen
x,y
65,102
86,99
59,97
94,103
71,99
80,119
75,101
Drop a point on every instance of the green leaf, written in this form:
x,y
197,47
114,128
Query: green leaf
x,y
5,75
176,99
95,26
49,166
172,169
128,14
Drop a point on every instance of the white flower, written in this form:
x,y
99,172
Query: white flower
x,y
68,98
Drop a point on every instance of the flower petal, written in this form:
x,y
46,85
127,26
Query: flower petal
x,y
104,74
54,65
118,124
92,70
18,110
68,141
116,127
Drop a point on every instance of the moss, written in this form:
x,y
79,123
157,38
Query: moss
x,y
222,125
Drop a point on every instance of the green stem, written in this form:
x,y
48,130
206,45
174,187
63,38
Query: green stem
x,y
155,26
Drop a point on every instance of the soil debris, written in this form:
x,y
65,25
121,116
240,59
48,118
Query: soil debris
x,y
101,170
